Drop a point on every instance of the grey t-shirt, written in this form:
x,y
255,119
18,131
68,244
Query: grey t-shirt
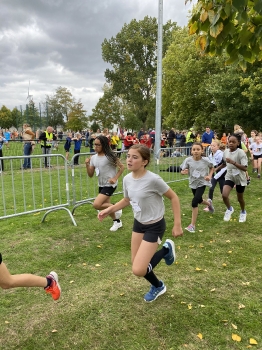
x,y
197,170
104,170
145,195
233,173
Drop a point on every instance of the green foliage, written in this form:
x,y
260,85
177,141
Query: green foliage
x,y
77,119
133,56
234,26
6,120
31,115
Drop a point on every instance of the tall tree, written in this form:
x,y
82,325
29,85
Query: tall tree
x,y
77,119
6,120
234,25
133,56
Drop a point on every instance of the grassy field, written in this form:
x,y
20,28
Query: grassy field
x,y
213,289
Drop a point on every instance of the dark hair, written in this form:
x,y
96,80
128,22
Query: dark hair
x,y
143,151
198,144
110,155
238,137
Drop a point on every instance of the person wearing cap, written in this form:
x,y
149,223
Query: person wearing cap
x,y
190,138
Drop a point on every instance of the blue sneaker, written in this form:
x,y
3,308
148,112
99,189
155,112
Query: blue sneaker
x,y
170,257
154,292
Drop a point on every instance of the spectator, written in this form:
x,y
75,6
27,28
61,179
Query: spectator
x,y
207,136
46,138
77,147
28,138
190,138
170,137
128,141
3,142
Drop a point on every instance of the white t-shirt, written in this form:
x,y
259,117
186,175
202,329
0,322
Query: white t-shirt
x,y
145,195
233,173
197,170
104,170
256,148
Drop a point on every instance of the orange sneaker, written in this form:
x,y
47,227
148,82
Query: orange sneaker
x,y
54,289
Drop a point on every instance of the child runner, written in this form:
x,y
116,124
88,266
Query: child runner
x,y
216,158
105,164
144,190
49,283
235,160
256,149
67,145
200,170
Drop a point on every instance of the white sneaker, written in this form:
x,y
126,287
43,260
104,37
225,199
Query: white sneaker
x,y
242,217
118,214
228,214
116,226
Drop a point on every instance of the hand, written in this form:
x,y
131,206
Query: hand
x,y
87,161
207,178
184,172
112,181
177,231
229,160
102,214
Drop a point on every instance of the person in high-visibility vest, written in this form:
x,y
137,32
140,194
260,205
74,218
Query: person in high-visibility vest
x,y
190,138
46,139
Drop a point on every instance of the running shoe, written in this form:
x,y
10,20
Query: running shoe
x,y
210,206
54,289
116,226
228,214
170,257
190,228
242,217
154,292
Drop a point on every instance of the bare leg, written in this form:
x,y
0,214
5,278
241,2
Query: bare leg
x,y
102,202
8,281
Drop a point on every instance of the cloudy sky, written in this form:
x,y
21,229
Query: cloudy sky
x,y
54,43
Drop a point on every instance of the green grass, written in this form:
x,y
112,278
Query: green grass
x,y
218,269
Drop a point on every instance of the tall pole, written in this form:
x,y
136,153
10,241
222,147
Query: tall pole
x,y
159,81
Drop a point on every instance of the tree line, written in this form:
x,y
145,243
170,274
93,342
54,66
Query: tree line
x,y
211,74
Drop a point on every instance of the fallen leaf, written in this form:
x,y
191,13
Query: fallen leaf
x,y
84,264
228,241
69,265
54,331
236,337
99,246
252,341
198,269
246,283
200,336
185,256
71,281
97,265
121,294
212,290
230,251
183,302
200,230
241,306
7,322
189,306
234,326
224,265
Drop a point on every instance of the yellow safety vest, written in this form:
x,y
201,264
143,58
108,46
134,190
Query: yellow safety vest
x,y
49,139
189,137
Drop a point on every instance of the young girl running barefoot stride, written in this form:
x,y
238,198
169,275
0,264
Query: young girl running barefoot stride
x,y
144,190
200,170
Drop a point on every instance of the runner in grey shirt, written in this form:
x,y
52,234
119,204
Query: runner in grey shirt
x,y
107,167
144,190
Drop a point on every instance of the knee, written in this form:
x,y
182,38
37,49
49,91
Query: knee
x,y
138,271
195,203
224,196
96,206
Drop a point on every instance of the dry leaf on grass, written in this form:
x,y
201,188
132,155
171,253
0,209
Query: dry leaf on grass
x,y
252,341
236,337
200,336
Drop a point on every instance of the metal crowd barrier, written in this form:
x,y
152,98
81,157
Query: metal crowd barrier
x,y
64,185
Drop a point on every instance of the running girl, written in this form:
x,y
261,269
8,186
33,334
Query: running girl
x,y
256,149
144,190
235,160
200,170
105,164
216,158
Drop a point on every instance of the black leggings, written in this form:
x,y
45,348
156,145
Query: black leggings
x,y
198,193
220,181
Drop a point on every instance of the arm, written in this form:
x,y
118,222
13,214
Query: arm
x,y
113,208
237,165
209,176
89,169
121,168
177,229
